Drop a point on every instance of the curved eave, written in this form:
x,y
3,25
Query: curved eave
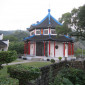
x,y
69,38
47,38
28,37
56,20
40,21
2,44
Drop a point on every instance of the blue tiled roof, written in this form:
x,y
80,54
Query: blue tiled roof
x,y
68,37
49,20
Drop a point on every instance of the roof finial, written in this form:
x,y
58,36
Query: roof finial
x,y
49,10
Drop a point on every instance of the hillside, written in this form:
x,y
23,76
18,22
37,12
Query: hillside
x,y
7,32
17,35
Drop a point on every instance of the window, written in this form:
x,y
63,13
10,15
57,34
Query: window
x,y
32,33
45,31
53,31
38,32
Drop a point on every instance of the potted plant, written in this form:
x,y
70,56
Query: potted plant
x,y
60,58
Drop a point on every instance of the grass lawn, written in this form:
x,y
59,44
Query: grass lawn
x,y
18,61
6,80
37,64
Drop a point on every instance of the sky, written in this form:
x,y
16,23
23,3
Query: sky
x,y
20,14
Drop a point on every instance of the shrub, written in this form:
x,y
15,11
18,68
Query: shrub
x,y
62,81
60,58
72,75
23,73
52,61
7,56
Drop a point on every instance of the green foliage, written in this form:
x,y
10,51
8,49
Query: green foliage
x,y
75,77
18,46
8,81
7,56
62,81
81,16
16,42
50,76
5,79
76,20
23,73
66,18
11,38
65,28
52,61
20,34
74,17
78,52
60,58
16,36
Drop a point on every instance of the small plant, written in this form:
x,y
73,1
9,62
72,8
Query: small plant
x,y
52,61
23,73
60,58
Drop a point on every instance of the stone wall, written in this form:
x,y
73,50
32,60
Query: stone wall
x,y
47,75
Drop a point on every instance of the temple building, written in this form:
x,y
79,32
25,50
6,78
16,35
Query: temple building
x,y
4,44
43,40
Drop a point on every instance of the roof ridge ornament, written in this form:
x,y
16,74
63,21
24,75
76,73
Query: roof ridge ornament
x,y
49,10
49,15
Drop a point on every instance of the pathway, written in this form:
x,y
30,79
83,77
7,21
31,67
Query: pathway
x,y
13,63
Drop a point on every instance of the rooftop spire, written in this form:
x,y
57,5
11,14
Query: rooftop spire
x,y
49,10
49,15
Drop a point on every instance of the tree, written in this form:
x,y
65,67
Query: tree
x,y
20,34
16,41
74,18
66,18
66,27
78,22
16,36
74,21
81,23
18,46
11,38
63,30
81,16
